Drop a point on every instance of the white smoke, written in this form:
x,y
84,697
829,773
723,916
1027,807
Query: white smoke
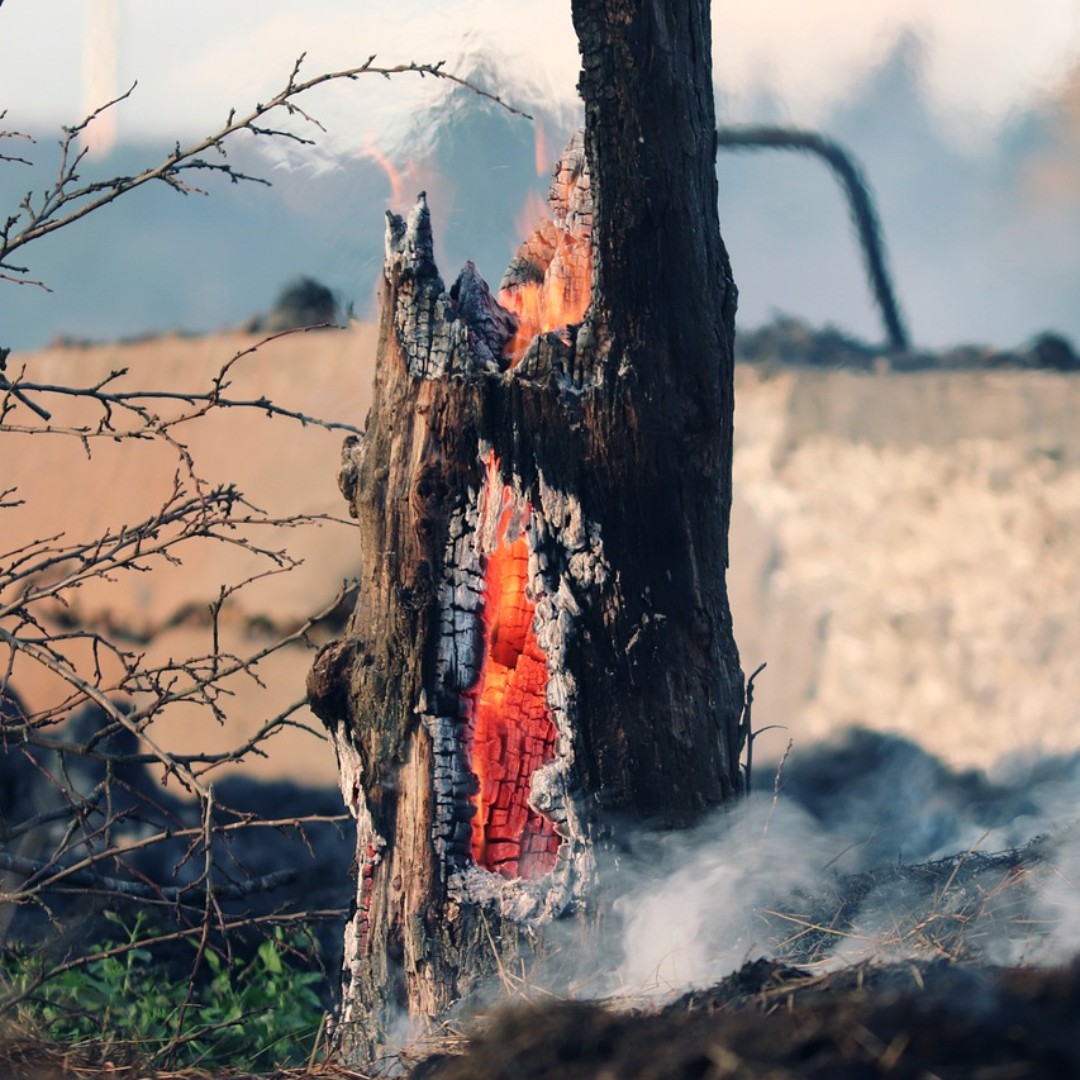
x,y
693,916
251,62
875,852
980,66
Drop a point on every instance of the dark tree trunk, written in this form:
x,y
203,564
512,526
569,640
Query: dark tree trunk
x,y
542,650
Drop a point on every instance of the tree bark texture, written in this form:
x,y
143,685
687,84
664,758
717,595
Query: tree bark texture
x,y
542,649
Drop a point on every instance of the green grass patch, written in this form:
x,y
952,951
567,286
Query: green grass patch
x,y
262,1014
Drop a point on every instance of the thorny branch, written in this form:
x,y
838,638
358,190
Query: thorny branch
x,y
137,406
83,820
22,135
76,839
82,879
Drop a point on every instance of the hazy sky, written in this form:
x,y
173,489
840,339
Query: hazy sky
x,y
193,60
968,215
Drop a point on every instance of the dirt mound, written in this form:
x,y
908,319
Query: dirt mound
x,y
903,1021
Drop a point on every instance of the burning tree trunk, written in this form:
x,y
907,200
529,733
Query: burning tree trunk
x,y
542,648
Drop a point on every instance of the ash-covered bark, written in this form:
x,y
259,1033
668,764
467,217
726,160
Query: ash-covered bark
x,y
398,692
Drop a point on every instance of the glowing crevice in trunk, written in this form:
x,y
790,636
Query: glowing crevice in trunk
x,y
511,733
501,704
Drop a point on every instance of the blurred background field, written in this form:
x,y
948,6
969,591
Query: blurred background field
x,y
902,550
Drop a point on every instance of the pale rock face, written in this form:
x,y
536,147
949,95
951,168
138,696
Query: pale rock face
x,y
903,549
901,556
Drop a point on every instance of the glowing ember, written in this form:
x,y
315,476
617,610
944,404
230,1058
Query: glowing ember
x,y
512,733
549,282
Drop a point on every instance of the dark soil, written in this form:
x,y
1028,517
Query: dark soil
x,y
917,1020
783,1018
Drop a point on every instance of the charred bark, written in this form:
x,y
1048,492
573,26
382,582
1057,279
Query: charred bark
x,y
542,649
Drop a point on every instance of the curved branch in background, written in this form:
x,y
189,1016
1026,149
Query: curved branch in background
x,y
860,201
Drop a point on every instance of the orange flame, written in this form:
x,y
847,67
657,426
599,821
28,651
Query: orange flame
x,y
545,306
534,209
397,185
512,732
549,283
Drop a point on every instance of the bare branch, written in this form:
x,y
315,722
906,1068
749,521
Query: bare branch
x,y
49,659
14,159
66,203
82,813
135,402
162,893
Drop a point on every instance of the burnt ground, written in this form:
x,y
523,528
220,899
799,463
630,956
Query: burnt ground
x,y
938,1008
916,1020
912,1019
925,999
942,1013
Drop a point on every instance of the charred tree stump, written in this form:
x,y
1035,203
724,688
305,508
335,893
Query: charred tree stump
x,y
542,648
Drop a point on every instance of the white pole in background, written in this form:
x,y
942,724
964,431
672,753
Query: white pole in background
x,y
101,73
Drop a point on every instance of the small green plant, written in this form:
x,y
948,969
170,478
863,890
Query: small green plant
x,y
121,1005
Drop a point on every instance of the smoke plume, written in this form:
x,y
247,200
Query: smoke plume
x,y
870,849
